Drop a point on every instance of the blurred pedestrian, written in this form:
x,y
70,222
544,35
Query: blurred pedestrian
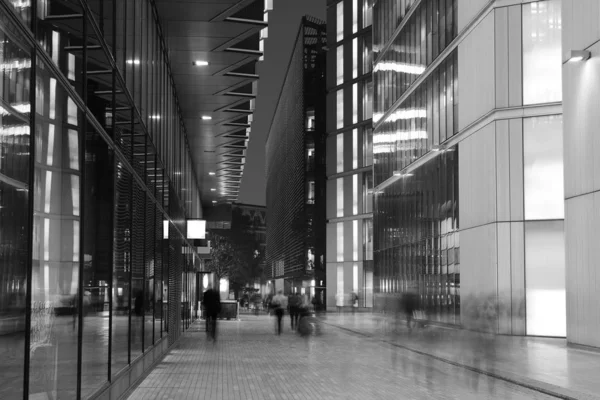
x,y
409,304
354,299
212,307
279,304
294,309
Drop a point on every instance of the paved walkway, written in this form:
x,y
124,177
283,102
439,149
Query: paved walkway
x,y
249,361
542,363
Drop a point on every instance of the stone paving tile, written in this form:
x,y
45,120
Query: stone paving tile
x,y
546,363
249,362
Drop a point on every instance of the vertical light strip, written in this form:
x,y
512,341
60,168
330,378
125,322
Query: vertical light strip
x,y
355,240
340,197
340,109
340,21
75,241
52,112
55,46
354,148
355,194
48,194
340,279
46,229
355,278
355,103
354,58
354,16
73,139
340,65
75,194
340,153
340,241
50,155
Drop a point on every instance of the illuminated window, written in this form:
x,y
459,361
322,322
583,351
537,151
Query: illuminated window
x,y
340,65
367,12
354,16
354,148
543,167
340,109
340,241
367,147
340,197
542,47
355,103
354,58
355,240
340,153
340,21
355,194
367,99
355,278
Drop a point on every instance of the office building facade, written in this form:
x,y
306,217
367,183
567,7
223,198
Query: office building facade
x,y
295,170
97,181
468,162
349,259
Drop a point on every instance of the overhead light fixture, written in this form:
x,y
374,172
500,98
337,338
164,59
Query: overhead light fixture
x,y
131,62
214,201
211,173
402,174
213,189
155,117
579,55
206,117
200,63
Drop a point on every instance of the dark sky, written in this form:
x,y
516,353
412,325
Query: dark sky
x,y
284,22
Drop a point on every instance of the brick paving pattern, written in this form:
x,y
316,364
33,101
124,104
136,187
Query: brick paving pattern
x,y
249,361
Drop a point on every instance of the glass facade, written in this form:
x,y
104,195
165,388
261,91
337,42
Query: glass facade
x,y
94,160
416,243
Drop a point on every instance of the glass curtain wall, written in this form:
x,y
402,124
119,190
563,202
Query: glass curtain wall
x,y
415,220
88,276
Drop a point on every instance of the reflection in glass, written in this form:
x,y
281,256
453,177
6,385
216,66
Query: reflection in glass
x,y
98,198
543,167
14,210
56,238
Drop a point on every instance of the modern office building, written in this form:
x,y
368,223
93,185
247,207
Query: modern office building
x,y
468,162
118,118
295,169
349,257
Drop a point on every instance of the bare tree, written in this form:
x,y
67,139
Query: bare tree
x,y
225,261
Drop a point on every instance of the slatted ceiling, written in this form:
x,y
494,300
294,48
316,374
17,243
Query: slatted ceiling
x,y
197,30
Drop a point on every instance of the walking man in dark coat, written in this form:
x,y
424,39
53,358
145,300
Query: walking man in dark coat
x,y
212,306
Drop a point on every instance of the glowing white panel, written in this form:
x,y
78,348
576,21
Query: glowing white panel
x,y
354,16
46,224
355,240
355,278
543,167
340,65
354,148
75,194
50,155
340,197
76,242
48,193
355,58
71,71
542,52
73,139
545,278
340,109
71,112
55,46
340,153
52,111
355,103
340,281
165,229
355,194
340,241
196,229
340,21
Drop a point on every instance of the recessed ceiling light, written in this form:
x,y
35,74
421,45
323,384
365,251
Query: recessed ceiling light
x,y
155,117
211,173
200,63
206,117
136,62
214,201
213,189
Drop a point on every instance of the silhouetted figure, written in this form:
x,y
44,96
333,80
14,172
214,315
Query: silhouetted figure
x,y
354,298
294,308
410,304
212,307
138,318
279,303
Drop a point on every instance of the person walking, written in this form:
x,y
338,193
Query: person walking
x,y
212,307
279,303
410,304
294,309
354,298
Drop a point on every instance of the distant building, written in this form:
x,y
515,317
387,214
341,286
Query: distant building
x,y
295,152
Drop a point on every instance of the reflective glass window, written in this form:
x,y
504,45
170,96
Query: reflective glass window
x,y
340,241
340,65
340,153
340,109
355,58
340,21
340,197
